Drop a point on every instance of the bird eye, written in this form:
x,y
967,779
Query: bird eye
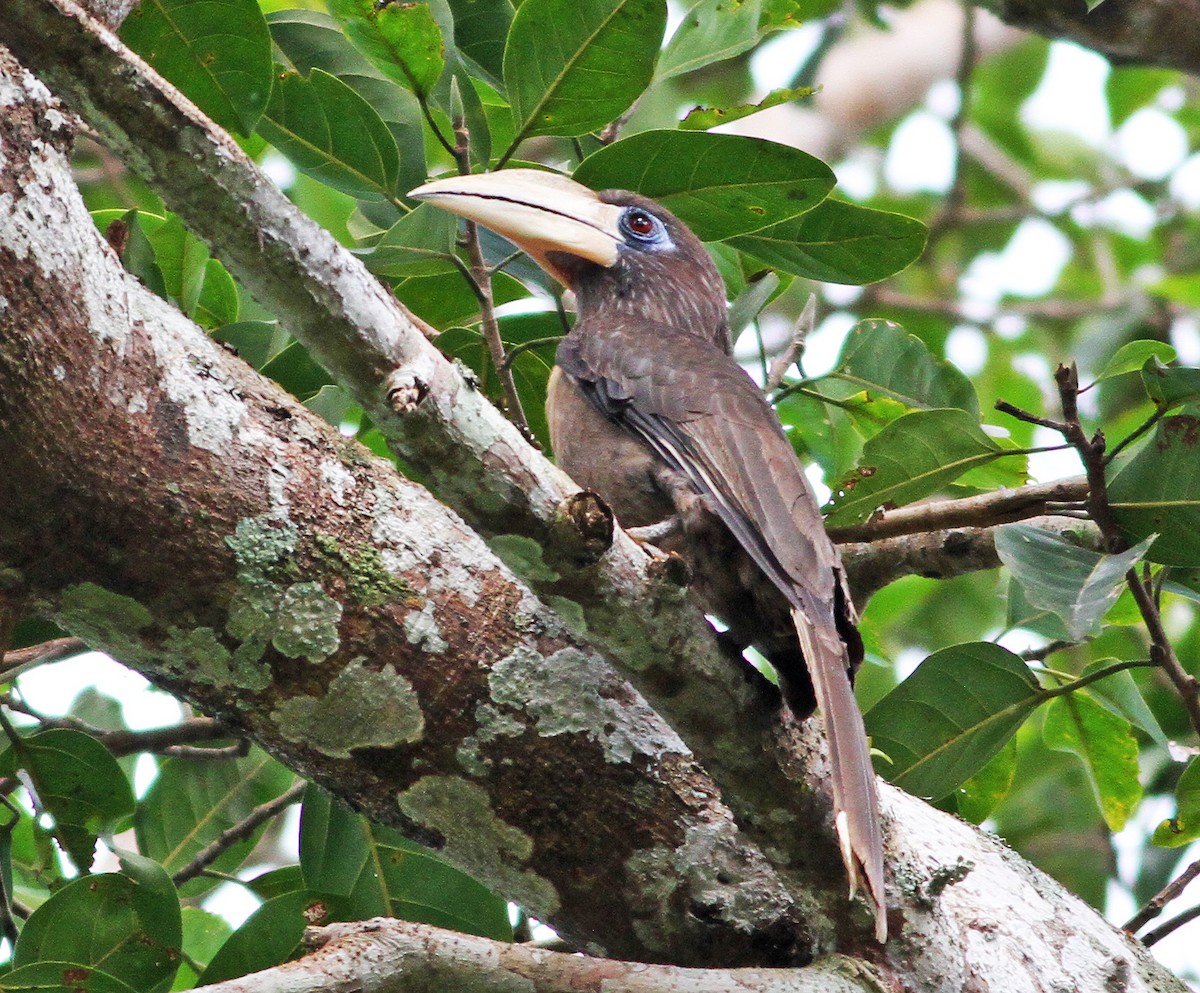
x,y
641,224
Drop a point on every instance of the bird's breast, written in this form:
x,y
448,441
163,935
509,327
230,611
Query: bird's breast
x,y
602,457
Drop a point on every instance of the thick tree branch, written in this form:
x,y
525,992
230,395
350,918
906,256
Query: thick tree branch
x,y
383,954
1146,32
211,532
472,458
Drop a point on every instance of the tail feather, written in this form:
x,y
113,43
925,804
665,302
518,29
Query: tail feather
x,y
855,797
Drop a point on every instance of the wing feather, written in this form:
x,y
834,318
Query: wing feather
x,y
704,417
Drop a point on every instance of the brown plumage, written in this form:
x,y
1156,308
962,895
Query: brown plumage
x,y
648,409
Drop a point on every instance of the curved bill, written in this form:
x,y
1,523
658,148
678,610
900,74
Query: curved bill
x,y
539,212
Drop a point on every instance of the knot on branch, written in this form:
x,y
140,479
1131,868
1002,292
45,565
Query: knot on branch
x,y
583,528
406,391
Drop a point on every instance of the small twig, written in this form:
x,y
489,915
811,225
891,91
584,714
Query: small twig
x,y
1046,310
1029,418
525,346
239,832
1043,652
985,510
480,279
1091,454
1136,433
795,347
24,659
613,129
1155,905
174,739
1160,932
504,262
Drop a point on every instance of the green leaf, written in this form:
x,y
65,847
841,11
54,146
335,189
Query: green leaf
x,y
912,457
1131,356
750,302
1156,490
217,52
276,882
191,803
945,722
183,260
1077,584
1181,288
130,928
720,185
297,371
881,358
273,934
1039,620
332,134
218,302
703,118
711,31
421,243
47,977
255,342
138,254
571,66
783,15
1120,694
1169,386
839,242
1103,742
203,936
480,31
446,300
78,782
981,793
402,39
1130,88
311,39
531,367
379,871
1184,827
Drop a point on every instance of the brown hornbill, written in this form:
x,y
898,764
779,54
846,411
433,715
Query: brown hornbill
x,y
648,409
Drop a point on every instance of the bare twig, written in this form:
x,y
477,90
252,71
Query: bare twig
x,y
795,346
1176,922
1155,905
480,278
239,832
23,659
986,510
1091,453
175,739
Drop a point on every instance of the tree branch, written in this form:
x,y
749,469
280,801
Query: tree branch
x,y
985,510
238,832
384,954
1149,32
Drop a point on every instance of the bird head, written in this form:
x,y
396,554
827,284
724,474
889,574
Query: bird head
x,y
616,250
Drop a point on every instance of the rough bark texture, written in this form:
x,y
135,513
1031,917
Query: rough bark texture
x,y
164,502
1142,32
382,955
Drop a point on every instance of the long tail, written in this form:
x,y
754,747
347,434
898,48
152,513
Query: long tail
x,y
855,798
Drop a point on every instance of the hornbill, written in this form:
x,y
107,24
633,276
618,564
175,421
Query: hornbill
x,y
648,409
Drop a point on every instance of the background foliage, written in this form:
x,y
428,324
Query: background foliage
x,y
1037,706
